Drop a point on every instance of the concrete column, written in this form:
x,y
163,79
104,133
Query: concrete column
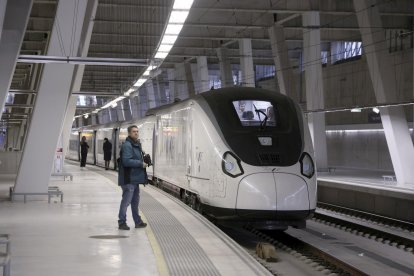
x,y
94,120
2,14
77,77
284,73
119,109
226,75
189,79
171,84
314,85
66,40
161,91
151,94
246,62
202,72
180,88
383,80
15,21
142,102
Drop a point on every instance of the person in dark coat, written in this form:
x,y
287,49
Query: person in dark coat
x,y
84,151
131,174
107,150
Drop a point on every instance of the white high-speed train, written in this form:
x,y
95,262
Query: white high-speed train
x,y
239,155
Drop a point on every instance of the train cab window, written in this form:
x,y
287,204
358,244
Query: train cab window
x,y
255,113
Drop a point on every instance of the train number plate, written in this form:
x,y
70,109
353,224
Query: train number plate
x,y
265,141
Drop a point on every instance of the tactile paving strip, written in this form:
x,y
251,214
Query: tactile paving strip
x,y
182,253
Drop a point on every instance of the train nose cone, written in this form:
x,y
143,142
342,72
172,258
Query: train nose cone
x,y
257,192
273,192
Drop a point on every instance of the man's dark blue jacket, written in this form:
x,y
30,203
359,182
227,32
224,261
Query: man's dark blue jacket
x,y
131,169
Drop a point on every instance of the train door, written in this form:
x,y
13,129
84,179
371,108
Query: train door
x,y
114,147
199,156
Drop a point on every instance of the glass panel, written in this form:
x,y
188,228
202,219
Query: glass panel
x,y
255,113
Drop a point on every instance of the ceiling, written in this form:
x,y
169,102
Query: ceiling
x,y
132,29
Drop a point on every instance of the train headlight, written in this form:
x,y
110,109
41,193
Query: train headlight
x,y
231,165
307,168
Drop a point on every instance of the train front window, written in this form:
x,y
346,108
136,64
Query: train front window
x,y
255,113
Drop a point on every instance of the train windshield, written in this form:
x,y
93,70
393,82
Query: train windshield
x,y
255,113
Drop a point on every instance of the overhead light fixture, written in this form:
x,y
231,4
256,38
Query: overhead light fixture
x,y
182,4
131,90
165,47
140,82
356,110
178,16
173,29
169,39
161,55
376,110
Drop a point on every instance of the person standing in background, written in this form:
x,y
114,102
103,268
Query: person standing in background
x,y
84,151
107,149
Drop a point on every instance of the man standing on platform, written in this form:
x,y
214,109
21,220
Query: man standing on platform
x,y
131,174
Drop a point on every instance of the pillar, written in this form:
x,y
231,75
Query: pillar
x,y
284,73
152,102
189,82
202,72
171,84
382,72
246,62
314,85
226,76
161,91
47,119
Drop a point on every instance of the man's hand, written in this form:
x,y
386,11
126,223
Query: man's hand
x,y
145,165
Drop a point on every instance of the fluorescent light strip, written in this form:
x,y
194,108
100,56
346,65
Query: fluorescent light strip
x,y
182,4
178,16
161,55
357,130
173,29
179,13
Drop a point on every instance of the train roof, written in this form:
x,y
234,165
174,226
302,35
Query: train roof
x,y
235,92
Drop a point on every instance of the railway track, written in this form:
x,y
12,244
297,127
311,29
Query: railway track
x,y
399,234
315,257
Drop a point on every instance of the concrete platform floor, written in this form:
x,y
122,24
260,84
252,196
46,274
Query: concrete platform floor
x,y
80,236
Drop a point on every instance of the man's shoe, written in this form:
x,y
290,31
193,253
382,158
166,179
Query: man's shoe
x,y
123,226
141,225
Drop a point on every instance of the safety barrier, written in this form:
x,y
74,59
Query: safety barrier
x,y
6,255
52,191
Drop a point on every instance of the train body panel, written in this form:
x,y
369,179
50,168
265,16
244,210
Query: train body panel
x,y
243,154
172,145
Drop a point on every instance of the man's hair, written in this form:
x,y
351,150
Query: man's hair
x,y
131,127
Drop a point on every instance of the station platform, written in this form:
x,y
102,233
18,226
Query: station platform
x,y
80,236
368,191
380,179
